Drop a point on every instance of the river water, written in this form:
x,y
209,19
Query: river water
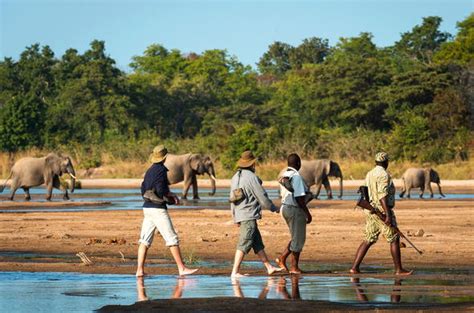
x,y
73,292
130,199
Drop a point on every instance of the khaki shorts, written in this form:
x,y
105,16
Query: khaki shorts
x,y
296,220
153,219
374,226
250,237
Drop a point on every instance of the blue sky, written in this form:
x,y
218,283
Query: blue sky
x,y
244,28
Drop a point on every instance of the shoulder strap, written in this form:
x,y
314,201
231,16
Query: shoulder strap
x,y
238,181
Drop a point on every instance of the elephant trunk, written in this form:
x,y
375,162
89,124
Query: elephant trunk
x,y
212,177
340,187
440,192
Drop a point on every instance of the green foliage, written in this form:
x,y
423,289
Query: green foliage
x,y
423,41
246,137
345,102
461,50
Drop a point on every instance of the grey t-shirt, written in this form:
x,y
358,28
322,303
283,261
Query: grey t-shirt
x,y
256,199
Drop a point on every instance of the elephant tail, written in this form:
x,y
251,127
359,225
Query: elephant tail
x,y
5,183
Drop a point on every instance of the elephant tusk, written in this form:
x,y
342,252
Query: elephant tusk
x,y
73,176
213,177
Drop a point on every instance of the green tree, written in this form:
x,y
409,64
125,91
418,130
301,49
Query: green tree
x,y
423,41
461,50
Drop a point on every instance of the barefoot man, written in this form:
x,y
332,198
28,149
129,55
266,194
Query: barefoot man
x,y
156,213
382,197
295,213
247,198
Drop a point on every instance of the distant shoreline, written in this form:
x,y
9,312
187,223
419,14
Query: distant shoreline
x,y
122,183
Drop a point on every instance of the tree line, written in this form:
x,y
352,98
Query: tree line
x,y
347,100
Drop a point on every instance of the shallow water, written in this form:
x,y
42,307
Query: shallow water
x,y
130,199
72,292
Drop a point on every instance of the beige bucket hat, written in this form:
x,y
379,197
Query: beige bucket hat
x,y
159,154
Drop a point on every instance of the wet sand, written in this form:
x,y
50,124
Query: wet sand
x,y
333,236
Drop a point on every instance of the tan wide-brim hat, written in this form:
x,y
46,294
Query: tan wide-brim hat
x,y
247,159
159,154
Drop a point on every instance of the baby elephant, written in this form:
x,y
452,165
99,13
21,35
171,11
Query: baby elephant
x,y
420,178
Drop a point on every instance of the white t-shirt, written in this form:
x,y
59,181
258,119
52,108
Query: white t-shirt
x,y
299,187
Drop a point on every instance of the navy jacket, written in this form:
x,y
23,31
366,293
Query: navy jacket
x,y
156,177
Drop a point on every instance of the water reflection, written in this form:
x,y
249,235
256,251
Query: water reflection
x,y
395,296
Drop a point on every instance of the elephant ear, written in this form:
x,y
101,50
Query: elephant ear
x,y
328,166
52,165
194,161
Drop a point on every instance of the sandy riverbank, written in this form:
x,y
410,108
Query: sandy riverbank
x,y
333,236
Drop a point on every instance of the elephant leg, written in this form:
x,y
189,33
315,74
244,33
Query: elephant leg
x,y
14,186
186,184
195,187
27,193
404,189
422,191
327,186
430,190
318,190
57,185
408,192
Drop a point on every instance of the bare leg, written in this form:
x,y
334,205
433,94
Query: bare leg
x,y
295,259
142,251
281,260
183,270
239,256
360,254
397,258
270,268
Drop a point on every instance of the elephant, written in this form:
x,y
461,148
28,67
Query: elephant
x,y
185,167
30,172
420,178
316,172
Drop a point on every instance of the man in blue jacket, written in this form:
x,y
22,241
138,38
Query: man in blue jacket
x,y
156,214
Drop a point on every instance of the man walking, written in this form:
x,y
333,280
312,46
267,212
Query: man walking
x,y
246,210
296,214
382,198
156,213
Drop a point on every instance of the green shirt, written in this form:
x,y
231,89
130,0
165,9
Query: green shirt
x,y
380,185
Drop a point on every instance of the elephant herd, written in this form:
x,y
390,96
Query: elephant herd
x,y
30,172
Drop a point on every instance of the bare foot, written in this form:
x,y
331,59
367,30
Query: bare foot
x,y
296,271
238,275
404,272
140,274
187,271
273,270
354,271
281,264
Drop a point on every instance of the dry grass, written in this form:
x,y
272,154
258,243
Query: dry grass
x,y
116,168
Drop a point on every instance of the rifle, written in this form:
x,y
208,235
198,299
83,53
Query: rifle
x,y
364,203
